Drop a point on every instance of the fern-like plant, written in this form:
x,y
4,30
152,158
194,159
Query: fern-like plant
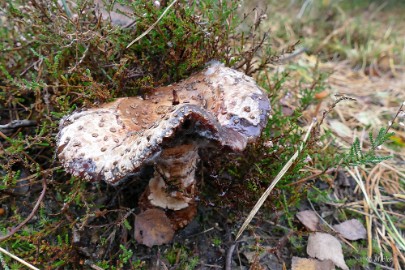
x,y
355,156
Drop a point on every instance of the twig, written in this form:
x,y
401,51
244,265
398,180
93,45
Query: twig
x,y
153,25
10,127
30,266
288,57
92,265
331,107
382,266
211,266
200,233
228,261
80,61
34,210
312,176
275,181
395,117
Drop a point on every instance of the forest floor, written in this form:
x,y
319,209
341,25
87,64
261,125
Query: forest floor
x,y
372,75
360,53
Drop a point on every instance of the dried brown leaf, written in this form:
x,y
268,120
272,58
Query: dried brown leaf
x,y
309,219
153,227
351,229
311,264
326,247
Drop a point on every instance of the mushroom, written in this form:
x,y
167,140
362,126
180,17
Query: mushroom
x,y
218,106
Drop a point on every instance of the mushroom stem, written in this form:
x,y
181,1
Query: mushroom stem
x,y
173,185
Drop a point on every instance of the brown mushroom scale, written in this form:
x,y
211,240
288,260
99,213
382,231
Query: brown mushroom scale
x,y
218,106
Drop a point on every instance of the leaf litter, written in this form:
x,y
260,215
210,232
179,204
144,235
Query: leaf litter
x,y
309,219
351,229
324,246
311,264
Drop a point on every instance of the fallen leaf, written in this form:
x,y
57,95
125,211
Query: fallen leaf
x,y
253,256
153,227
340,129
326,247
311,264
265,260
309,219
250,255
398,140
322,95
351,229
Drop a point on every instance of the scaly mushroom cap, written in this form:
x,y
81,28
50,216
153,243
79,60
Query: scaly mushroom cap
x,y
218,104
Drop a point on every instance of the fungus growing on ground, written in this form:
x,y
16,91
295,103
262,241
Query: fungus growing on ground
x,y
218,107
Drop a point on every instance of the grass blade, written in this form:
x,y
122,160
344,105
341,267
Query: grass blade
x,y
274,183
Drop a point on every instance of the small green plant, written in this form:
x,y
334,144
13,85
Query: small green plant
x,y
298,243
124,257
179,256
3,262
192,263
216,242
356,156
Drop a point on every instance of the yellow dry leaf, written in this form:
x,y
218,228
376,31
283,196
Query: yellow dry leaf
x,y
311,264
398,140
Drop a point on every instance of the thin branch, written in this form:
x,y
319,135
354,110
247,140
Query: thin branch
x,y
312,176
13,125
30,216
400,110
80,61
92,265
228,262
30,266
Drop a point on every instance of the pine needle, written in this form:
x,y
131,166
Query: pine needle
x,y
381,214
153,25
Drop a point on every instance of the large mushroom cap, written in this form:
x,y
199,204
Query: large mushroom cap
x,y
218,104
